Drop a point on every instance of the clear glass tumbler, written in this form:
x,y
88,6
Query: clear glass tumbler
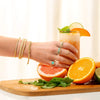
x,y
72,38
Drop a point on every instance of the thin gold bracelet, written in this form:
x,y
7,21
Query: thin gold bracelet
x,y
24,45
16,47
29,52
20,51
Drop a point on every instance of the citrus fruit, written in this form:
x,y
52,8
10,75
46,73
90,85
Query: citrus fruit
x,y
83,32
82,70
48,72
97,74
97,64
75,25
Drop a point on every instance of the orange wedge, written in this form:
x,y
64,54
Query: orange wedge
x,y
48,72
97,64
83,32
82,70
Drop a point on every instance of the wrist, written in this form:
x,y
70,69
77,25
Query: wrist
x,y
24,49
25,54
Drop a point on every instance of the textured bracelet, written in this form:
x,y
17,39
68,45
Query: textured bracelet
x,y
29,52
21,47
15,53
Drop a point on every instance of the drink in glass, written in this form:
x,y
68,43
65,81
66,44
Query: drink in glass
x,y
72,38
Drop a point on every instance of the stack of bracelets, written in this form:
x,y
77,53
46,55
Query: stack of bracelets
x,y
22,48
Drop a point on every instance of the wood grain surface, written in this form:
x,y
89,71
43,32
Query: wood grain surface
x,y
14,87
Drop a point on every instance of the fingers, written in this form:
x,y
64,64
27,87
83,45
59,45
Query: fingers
x,y
60,55
59,61
58,64
68,46
68,54
64,60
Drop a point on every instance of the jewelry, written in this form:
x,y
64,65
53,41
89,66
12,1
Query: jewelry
x,y
58,50
24,45
29,52
16,47
61,44
52,62
21,47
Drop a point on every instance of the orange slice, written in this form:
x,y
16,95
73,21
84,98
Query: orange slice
x,y
47,72
82,70
83,32
97,64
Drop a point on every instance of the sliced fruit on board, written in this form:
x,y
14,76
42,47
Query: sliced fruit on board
x,y
48,72
97,64
82,70
83,32
75,25
97,75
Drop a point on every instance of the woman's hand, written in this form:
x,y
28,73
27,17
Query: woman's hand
x,y
46,52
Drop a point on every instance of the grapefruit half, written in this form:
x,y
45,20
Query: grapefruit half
x,y
48,72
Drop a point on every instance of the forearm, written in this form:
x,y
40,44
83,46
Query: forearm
x,y
8,45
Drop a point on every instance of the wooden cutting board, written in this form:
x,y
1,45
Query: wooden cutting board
x,y
14,87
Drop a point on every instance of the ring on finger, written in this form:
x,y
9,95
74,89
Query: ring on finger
x,y
61,44
52,63
58,50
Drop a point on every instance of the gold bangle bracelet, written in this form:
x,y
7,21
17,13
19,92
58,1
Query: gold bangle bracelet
x,y
29,52
22,48
20,51
24,45
16,47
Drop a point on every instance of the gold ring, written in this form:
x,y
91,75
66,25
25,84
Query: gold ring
x,y
61,44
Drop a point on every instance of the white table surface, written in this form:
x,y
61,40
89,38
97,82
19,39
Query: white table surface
x,y
79,96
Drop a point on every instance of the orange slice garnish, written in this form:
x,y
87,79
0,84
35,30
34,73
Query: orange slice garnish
x,y
83,32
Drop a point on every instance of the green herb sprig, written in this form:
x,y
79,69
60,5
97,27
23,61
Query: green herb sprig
x,y
65,29
54,82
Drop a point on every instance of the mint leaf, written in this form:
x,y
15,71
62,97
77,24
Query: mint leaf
x,y
40,82
67,80
49,85
21,82
65,29
54,82
63,84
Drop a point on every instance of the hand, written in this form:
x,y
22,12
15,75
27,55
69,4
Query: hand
x,y
46,52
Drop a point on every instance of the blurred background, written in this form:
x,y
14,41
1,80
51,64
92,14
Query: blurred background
x,y
38,20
